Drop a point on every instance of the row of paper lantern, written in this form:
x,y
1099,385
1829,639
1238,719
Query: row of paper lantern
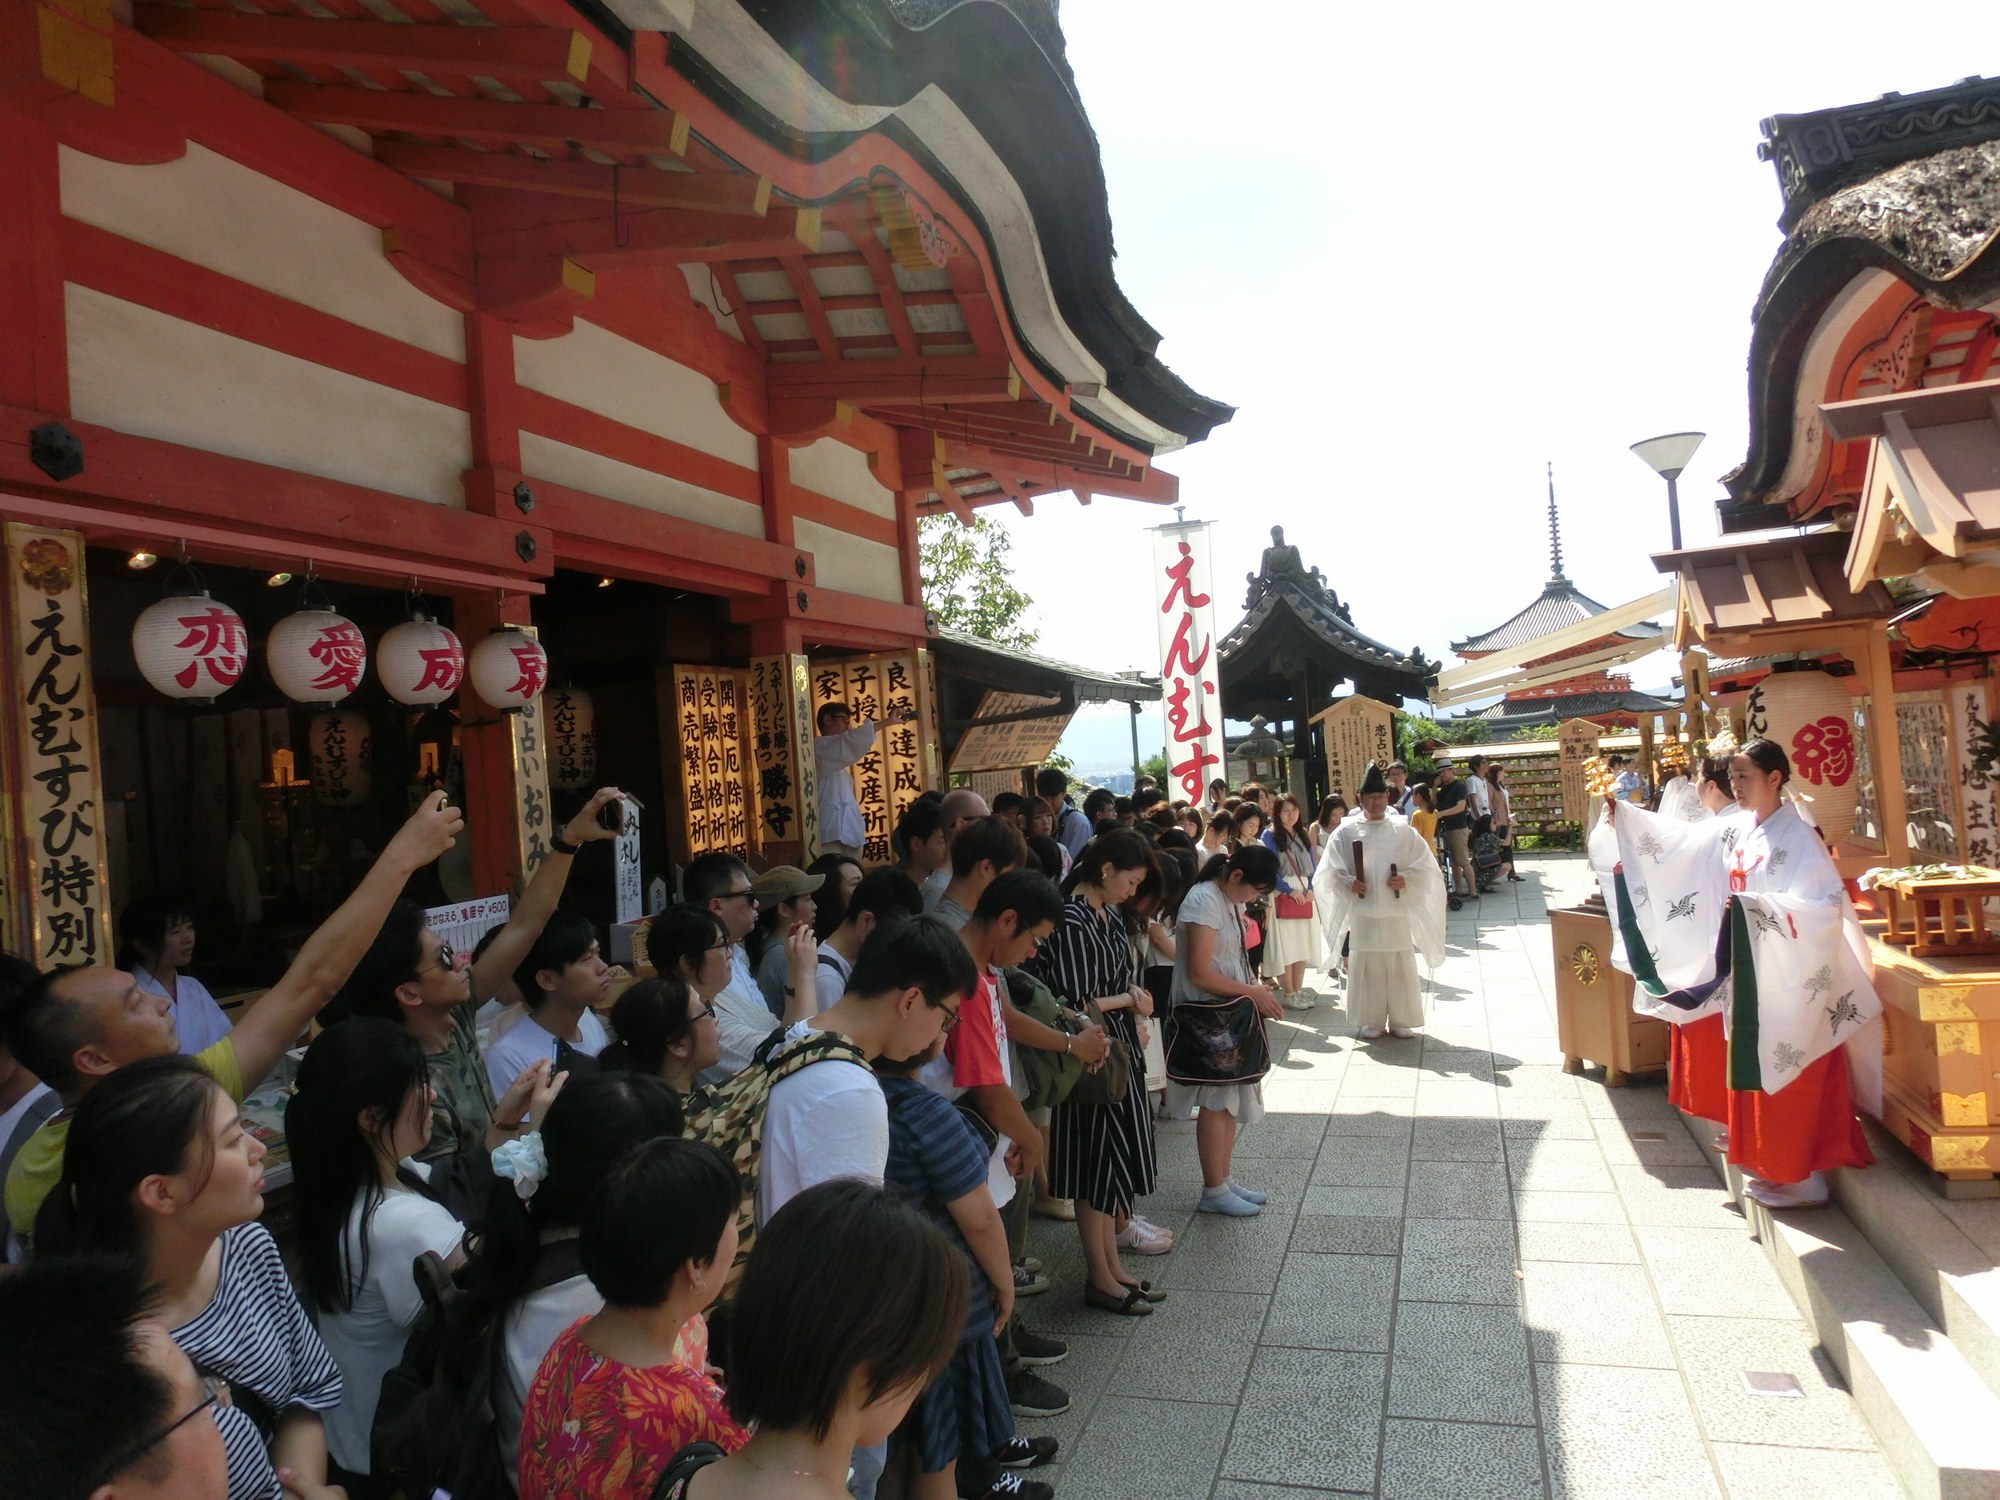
x,y
193,647
340,748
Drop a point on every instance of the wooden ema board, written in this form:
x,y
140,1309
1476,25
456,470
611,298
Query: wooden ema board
x,y
1356,731
891,776
710,725
1010,746
1940,1039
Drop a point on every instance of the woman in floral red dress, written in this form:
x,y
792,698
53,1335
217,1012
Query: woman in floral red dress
x,y
620,1393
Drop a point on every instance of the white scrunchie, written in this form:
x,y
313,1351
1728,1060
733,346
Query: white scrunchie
x,y
523,1160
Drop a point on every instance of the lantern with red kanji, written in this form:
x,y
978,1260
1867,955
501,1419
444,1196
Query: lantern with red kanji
x,y
509,669
572,738
190,646
1810,715
420,662
339,744
316,656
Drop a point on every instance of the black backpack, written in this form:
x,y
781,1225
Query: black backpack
x,y
435,1430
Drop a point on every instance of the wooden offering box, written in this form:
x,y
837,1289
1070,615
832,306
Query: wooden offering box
x,y
1941,914
1594,1017
1941,1062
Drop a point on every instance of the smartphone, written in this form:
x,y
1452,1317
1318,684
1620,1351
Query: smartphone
x,y
612,815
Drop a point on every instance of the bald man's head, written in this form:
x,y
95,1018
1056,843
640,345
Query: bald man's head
x,y
961,807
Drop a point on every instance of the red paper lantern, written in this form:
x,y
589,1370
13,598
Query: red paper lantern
x,y
509,669
316,656
190,646
1810,715
420,662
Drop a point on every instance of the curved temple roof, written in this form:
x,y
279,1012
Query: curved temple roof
x,y
1000,64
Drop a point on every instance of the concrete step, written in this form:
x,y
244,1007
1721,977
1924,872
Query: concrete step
x,y
1933,1413
1930,1245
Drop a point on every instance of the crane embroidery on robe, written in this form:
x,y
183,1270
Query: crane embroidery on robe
x,y
1767,925
1787,1058
1683,907
1843,1012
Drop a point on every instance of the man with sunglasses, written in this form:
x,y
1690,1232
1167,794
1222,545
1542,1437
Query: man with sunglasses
x,y
75,1025
124,1417
721,885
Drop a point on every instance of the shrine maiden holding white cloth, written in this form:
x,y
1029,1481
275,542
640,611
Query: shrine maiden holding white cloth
x,y
1388,919
1745,913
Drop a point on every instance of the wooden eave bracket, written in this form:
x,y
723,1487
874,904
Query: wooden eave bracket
x,y
517,54
737,193
58,67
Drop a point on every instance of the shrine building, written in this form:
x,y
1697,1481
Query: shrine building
x,y
518,396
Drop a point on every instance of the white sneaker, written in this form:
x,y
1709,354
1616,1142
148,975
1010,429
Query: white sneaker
x,y
1143,1238
1298,1000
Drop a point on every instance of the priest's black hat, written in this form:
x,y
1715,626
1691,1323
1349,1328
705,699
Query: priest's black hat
x,y
1373,781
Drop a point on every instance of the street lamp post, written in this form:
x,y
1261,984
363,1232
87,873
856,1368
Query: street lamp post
x,y
1667,455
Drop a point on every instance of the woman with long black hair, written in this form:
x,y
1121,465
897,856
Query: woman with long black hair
x,y
362,1107
159,1168
1211,962
1101,1155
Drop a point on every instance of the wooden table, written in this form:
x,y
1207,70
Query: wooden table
x,y
1939,916
1595,1021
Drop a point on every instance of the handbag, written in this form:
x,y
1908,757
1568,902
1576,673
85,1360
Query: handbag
x,y
1219,1041
1112,1081
1289,906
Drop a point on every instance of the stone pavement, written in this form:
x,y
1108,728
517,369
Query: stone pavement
x,y
1478,1278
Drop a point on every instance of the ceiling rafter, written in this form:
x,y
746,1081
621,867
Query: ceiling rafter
x,y
800,276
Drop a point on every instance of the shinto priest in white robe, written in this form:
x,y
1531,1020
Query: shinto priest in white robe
x,y
1750,919
1385,933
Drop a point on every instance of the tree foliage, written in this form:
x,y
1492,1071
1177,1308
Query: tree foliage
x,y
1414,731
1155,766
968,581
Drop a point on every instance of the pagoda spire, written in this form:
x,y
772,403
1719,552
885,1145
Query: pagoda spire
x,y
1555,533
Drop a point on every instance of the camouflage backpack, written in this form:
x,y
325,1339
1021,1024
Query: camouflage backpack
x,y
731,1119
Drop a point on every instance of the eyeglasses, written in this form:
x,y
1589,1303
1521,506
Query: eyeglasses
x,y
700,1015
447,960
214,1393
747,895
950,1016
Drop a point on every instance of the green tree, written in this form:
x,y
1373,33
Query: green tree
x,y
1414,732
968,581
1155,766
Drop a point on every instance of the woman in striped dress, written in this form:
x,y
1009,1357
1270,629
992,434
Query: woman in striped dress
x,y
1102,1155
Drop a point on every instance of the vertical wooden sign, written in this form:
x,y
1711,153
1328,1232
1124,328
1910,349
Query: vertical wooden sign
x,y
892,774
1576,742
60,908
1357,730
787,807
532,813
1968,709
710,718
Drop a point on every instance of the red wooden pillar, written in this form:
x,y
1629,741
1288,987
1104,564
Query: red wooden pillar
x,y
34,354
493,790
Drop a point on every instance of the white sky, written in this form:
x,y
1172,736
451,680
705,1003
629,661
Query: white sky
x,y
1424,250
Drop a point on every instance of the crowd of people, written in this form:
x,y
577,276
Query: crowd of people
x,y
823,1119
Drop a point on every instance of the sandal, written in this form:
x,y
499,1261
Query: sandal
x,y
1132,1305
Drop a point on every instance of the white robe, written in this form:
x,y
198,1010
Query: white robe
x,y
1799,982
1385,932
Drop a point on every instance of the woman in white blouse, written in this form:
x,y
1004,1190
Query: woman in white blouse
x,y
155,942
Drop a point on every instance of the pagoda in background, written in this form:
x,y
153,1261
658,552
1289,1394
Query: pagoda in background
x,y
1601,696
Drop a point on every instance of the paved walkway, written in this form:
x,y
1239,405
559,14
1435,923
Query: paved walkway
x,y
1477,1277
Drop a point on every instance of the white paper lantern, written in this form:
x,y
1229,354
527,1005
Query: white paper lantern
x,y
190,646
509,669
572,738
1811,716
420,662
342,757
316,656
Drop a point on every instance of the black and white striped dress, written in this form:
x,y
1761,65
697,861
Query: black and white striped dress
x,y
255,1335
1101,1153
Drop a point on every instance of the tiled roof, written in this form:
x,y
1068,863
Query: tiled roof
x,y
1527,713
1561,603
1318,614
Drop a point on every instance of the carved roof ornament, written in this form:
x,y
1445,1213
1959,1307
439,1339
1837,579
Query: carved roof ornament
x,y
1283,566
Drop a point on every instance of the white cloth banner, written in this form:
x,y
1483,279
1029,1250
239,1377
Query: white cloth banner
x,y
1183,585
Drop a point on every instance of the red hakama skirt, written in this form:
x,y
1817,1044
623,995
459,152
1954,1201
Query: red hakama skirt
x,y
1698,1068
1808,1126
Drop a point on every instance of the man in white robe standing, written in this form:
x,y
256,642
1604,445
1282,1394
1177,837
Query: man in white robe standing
x,y
1379,888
